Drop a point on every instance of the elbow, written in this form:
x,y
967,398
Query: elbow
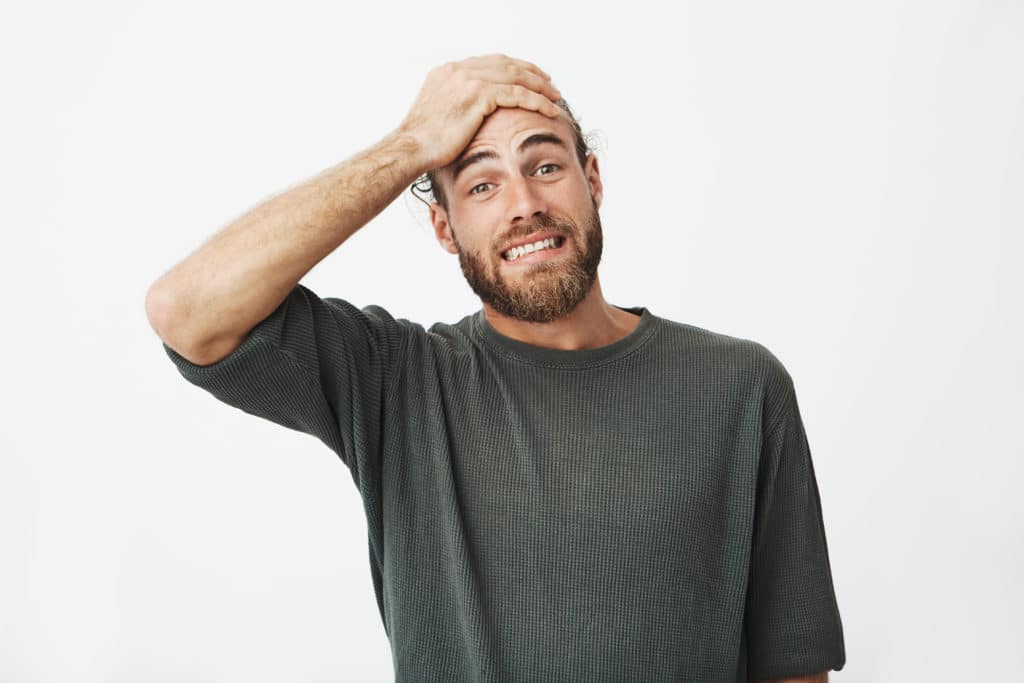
x,y
165,316
158,306
163,312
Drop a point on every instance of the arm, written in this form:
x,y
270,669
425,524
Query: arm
x,y
205,305
792,623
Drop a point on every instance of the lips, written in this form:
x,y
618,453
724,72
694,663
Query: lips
x,y
533,237
520,256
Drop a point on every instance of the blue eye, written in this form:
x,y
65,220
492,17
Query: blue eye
x,y
471,190
546,165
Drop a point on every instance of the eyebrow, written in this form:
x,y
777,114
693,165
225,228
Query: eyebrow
x,y
532,141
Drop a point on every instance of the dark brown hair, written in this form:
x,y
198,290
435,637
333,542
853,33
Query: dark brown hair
x,y
429,182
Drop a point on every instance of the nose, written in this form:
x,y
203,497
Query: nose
x,y
525,201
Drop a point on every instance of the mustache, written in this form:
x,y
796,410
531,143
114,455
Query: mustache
x,y
541,222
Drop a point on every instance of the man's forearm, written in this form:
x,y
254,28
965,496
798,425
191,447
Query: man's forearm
x,y
209,301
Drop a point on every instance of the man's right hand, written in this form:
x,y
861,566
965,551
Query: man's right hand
x,y
206,305
457,96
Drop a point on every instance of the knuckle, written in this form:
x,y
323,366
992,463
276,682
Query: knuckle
x,y
474,90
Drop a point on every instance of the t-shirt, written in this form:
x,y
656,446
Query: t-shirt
x,y
642,511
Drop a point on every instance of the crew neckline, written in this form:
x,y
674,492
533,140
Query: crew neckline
x,y
561,357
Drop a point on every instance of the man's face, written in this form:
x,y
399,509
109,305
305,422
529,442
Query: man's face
x,y
523,195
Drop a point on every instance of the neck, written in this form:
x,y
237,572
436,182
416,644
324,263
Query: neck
x,y
592,324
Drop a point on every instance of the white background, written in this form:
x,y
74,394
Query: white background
x,y
841,182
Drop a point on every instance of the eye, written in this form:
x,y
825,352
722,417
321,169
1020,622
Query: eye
x,y
473,189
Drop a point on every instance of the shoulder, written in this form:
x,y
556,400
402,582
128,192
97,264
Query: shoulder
x,y
452,338
417,342
722,357
714,346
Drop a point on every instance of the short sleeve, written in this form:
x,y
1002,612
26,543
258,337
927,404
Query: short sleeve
x,y
319,366
792,619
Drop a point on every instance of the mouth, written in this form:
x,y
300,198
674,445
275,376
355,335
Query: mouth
x,y
537,250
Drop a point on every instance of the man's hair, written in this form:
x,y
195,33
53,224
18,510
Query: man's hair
x,y
430,183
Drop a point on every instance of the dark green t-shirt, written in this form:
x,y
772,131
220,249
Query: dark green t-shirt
x,y
642,511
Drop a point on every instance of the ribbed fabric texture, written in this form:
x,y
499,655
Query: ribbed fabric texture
x,y
643,511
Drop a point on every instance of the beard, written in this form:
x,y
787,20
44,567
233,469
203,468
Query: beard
x,y
546,290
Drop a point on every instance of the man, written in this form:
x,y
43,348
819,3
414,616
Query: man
x,y
556,488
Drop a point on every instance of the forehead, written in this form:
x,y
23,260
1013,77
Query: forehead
x,y
504,124
505,128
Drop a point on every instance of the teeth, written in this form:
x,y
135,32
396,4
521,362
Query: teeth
x,y
515,252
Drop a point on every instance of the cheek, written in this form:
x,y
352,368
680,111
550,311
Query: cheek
x,y
472,233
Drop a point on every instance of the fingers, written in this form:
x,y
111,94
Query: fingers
x,y
514,75
457,96
500,68
512,96
513,83
499,60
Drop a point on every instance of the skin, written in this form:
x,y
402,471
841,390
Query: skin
x,y
811,678
206,305
519,194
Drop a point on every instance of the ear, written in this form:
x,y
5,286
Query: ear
x,y
593,176
442,230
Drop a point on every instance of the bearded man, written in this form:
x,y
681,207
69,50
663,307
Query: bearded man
x,y
556,488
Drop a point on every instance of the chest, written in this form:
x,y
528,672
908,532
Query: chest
x,y
626,458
